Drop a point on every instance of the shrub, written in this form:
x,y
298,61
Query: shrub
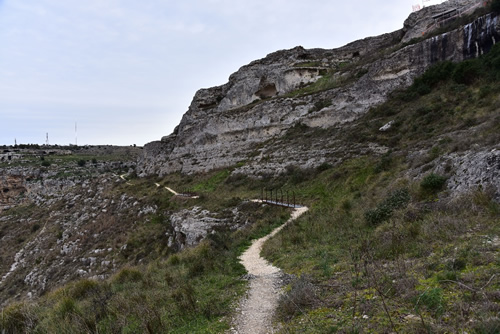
x,y
435,74
378,215
45,163
81,162
396,200
433,183
467,72
324,166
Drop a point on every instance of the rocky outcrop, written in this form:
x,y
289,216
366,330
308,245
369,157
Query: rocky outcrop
x,y
319,88
472,170
189,227
425,21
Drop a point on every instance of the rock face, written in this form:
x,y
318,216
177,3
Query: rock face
x,y
476,170
319,88
424,21
189,227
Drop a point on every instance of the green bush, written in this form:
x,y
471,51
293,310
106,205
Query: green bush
x,y
435,74
467,72
378,215
45,163
324,166
433,183
396,200
81,162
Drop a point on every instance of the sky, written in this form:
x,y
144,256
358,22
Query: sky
x,y
123,72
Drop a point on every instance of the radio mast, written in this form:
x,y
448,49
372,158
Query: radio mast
x,y
47,139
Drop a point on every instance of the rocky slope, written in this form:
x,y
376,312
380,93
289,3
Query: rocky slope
x,y
243,120
74,215
58,217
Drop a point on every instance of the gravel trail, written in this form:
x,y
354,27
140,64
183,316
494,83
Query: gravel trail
x,y
255,312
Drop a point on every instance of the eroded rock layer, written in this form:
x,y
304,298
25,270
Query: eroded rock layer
x,y
319,88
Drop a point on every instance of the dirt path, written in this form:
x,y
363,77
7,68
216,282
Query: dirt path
x,y
254,314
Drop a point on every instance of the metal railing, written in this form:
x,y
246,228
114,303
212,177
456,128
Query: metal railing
x,y
279,197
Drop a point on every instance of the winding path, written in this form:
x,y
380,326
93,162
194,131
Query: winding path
x,y
255,312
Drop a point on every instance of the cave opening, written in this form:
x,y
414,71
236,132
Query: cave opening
x,y
267,91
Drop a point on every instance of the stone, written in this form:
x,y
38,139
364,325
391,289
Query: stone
x,y
190,227
386,127
228,124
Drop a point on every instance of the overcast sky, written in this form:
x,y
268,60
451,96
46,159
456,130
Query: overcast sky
x,y
125,71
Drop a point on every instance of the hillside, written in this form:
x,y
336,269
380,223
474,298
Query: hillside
x,y
392,142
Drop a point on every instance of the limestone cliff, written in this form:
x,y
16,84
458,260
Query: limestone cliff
x,y
242,120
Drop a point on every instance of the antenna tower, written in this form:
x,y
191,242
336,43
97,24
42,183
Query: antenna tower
x,y
47,139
